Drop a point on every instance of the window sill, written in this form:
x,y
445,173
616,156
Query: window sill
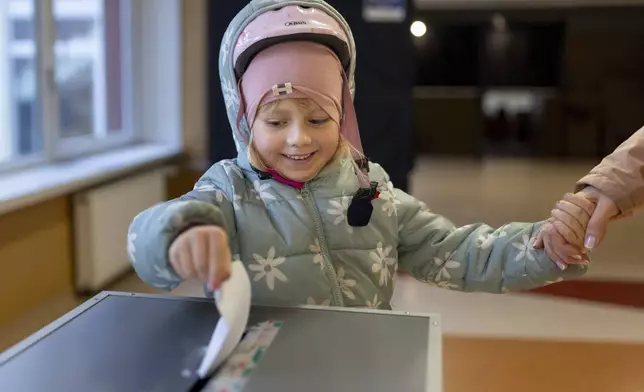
x,y
32,186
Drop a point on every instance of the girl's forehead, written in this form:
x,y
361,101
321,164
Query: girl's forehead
x,y
303,105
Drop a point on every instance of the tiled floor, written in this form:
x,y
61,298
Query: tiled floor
x,y
521,316
501,343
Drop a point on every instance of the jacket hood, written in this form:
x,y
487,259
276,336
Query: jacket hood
x,y
229,83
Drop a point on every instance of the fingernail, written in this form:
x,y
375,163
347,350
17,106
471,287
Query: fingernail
x,y
580,261
590,242
562,266
577,257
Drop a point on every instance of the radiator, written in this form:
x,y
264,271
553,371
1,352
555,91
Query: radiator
x,y
102,216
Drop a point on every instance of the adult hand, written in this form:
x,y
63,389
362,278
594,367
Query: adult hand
x,y
605,211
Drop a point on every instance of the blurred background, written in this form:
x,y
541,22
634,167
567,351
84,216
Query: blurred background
x,y
486,110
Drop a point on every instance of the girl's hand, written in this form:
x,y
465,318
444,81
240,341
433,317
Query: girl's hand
x,y
563,234
202,253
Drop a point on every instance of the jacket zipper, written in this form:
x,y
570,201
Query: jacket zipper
x,y
324,251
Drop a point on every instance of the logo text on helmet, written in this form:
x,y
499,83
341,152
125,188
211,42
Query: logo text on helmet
x,y
295,23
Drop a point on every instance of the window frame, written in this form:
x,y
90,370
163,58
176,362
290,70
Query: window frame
x,y
54,147
157,105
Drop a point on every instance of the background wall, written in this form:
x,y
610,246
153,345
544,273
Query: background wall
x,y
35,256
195,134
589,99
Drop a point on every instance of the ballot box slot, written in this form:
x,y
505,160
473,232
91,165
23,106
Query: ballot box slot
x,y
234,373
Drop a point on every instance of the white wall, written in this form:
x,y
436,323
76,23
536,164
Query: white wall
x,y
157,69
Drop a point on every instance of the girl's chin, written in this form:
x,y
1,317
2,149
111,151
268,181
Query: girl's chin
x,y
298,175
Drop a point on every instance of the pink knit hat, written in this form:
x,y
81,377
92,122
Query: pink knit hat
x,y
300,69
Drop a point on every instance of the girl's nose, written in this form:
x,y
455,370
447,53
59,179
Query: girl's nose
x,y
298,135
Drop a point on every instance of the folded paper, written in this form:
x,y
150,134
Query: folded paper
x,y
233,303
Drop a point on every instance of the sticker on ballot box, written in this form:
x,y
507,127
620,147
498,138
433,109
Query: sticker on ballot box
x,y
233,375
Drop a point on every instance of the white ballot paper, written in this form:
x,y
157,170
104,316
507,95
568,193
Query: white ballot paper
x,y
233,302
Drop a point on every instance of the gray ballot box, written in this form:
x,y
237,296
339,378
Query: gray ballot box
x,y
138,342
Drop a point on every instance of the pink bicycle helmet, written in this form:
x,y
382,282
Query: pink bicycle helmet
x,y
290,23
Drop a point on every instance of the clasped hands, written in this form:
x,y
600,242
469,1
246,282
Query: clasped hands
x,y
577,224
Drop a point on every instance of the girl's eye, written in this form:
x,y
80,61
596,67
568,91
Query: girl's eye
x,y
275,123
319,121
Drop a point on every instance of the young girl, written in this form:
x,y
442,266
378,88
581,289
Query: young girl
x,y
312,220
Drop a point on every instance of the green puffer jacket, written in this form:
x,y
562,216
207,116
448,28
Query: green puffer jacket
x,y
297,245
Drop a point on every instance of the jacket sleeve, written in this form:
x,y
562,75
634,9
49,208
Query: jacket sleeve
x,y
620,175
152,231
474,257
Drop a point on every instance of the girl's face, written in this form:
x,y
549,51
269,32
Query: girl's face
x,y
295,137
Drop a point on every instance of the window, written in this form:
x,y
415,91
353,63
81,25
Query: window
x,y
64,76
